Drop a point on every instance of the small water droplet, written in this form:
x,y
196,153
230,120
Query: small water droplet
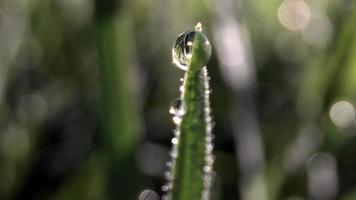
x,y
148,195
206,194
176,132
209,147
177,119
207,169
175,141
209,160
169,185
208,179
181,88
174,154
164,188
168,175
177,108
183,47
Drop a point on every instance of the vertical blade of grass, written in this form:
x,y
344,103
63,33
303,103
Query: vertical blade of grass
x,y
346,81
192,146
120,119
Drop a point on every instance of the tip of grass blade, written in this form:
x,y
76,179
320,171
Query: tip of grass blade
x,y
198,27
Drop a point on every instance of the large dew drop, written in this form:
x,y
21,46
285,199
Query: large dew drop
x,y
183,47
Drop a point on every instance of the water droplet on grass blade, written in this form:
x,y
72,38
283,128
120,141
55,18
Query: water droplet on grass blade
x,y
148,195
182,50
181,88
175,141
169,164
177,108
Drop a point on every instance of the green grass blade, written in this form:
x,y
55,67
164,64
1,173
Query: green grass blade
x,y
120,114
192,147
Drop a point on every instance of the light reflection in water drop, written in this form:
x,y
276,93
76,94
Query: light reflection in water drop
x,y
182,49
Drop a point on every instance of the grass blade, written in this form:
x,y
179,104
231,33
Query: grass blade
x,y
191,173
120,118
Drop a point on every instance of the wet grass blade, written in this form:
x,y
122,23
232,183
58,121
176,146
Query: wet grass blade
x,y
191,173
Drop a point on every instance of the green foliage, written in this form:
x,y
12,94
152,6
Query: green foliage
x,y
78,77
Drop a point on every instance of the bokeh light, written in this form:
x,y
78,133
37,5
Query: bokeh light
x,y
342,114
294,14
307,142
322,175
319,31
154,154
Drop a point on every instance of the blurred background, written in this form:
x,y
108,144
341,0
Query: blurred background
x,y
86,85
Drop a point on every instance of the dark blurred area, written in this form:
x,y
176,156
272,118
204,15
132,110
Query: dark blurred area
x,y
86,85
